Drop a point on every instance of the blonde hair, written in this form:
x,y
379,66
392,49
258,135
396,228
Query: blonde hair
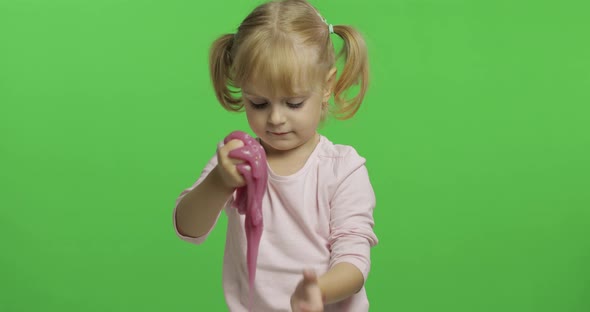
x,y
284,43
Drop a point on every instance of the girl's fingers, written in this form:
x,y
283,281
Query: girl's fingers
x,y
224,149
228,165
304,307
233,144
230,146
309,276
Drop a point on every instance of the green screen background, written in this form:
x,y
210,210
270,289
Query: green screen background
x,y
476,130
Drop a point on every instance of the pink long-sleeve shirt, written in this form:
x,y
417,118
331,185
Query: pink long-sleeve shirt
x,y
315,218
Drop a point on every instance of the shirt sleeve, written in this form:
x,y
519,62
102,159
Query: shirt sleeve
x,y
351,216
197,240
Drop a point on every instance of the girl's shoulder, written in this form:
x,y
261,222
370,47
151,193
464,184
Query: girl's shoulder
x,y
327,149
342,158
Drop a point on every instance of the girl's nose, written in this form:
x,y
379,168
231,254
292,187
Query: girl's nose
x,y
276,116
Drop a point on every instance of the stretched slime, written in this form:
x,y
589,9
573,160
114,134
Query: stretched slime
x,y
249,197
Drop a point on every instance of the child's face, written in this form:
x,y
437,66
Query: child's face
x,y
283,123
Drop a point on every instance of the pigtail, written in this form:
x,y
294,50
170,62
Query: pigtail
x,y
355,72
220,63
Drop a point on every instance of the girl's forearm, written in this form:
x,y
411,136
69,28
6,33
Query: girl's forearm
x,y
340,282
198,210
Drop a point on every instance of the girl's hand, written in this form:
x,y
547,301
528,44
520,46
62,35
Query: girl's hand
x,y
307,296
226,166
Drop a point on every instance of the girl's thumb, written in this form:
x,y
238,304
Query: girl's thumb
x,y
310,276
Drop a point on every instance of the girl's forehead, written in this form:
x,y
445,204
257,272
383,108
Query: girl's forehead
x,y
287,79
276,68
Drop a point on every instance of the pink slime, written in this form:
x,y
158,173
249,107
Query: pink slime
x,y
249,197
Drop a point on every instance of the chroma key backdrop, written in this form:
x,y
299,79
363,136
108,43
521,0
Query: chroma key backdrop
x,y
475,127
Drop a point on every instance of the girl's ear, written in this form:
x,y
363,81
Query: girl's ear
x,y
330,80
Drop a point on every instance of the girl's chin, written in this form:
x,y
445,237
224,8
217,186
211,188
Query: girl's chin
x,y
277,145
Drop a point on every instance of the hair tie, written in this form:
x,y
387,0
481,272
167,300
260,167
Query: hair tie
x,y
330,26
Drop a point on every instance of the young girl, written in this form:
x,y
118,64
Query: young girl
x,y
314,254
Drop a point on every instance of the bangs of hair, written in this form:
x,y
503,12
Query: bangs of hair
x,y
276,60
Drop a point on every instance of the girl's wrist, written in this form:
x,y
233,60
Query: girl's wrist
x,y
217,180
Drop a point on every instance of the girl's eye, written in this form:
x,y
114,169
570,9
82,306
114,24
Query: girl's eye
x,y
258,105
295,105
